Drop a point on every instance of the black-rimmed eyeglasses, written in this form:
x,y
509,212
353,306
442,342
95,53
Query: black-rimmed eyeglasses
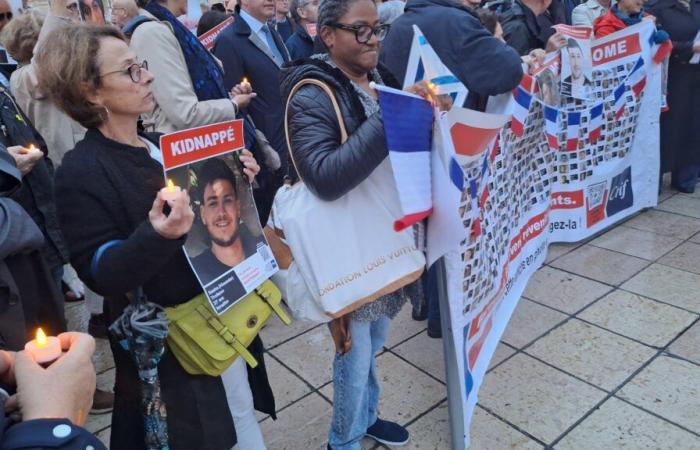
x,y
363,33
134,71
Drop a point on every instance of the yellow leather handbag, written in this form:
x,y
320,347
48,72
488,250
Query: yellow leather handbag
x,y
207,344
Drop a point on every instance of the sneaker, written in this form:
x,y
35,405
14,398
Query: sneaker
x,y
388,433
102,402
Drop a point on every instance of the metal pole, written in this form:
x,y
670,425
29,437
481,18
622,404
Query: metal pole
x,y
454,393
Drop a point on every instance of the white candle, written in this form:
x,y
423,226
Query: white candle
x,y
43,349
170,192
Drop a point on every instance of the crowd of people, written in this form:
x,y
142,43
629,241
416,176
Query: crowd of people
x,y
87,89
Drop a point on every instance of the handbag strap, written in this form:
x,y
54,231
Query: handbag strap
x,y
265,295
336,108
226,334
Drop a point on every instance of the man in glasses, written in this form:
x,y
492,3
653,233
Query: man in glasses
x,y
5,13
251,49
5,17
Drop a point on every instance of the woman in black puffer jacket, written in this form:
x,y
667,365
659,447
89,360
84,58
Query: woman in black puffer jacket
x,y
351,32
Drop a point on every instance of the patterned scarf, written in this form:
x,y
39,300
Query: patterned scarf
x,y
206,74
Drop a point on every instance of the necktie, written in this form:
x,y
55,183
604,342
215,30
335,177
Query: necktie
x,y
271,44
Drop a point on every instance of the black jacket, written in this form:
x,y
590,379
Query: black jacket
x,y
680,134
328,168
484,64
105,191
37,192
300,44
521,29
29,295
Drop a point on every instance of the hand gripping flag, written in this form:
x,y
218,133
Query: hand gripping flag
x,y
425,65
522,107
596,123
637,79
408,125
551,126
573,122
619,95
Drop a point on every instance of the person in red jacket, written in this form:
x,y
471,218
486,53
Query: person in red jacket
x,y
622,15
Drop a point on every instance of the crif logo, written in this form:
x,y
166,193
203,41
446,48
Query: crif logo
x,y
621,196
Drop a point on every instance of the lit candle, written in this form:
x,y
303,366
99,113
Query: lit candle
x,y
44,349
245,80
26,151
170,191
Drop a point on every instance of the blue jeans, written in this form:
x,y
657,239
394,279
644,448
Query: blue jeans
x,y
355,385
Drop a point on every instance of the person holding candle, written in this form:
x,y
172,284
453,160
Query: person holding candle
x,y
188,89
52,401
130,238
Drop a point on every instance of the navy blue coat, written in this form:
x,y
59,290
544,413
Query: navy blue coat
x,y
300,44
483,63
244,55
57,434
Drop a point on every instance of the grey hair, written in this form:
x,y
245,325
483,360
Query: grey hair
x,y
330,11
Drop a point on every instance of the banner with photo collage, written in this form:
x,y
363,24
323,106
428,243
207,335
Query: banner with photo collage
x,y
580,153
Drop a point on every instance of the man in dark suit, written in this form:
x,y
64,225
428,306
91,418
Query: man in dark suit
x,y
250,48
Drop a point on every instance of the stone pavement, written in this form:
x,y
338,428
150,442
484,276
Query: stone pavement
x,y
603,352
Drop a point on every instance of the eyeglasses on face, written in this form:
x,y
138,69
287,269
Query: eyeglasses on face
x,y
134,71
5,16
363,33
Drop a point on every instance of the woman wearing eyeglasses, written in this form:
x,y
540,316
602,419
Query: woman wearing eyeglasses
x,y
351,32
111,209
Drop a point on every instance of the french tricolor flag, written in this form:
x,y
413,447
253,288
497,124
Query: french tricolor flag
x,y
596,123
551,126
408,126
638,78
522,107
619,95
573,123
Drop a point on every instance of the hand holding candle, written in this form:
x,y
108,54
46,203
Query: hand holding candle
x,y
179,221
25,158
242,93
170,192
44,349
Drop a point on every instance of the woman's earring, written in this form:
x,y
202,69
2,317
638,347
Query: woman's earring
x,y
104,114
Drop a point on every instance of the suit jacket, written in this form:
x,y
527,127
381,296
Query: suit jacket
x,y
177,106
244,54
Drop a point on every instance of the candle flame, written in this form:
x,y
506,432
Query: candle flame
x,y
245,80
31,147
41,340
171,185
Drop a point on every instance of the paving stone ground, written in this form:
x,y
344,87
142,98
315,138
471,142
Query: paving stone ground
x,y
603,352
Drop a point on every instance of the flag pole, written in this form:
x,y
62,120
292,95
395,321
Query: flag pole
x,y
454,391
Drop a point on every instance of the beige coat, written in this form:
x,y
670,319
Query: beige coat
x,y
177,106
59,131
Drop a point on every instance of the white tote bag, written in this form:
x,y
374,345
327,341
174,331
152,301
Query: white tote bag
x,y
345,251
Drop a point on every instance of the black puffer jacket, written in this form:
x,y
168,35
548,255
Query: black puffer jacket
x,y
328,168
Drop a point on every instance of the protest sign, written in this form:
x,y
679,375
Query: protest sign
x,y
207,39
563,169
226,246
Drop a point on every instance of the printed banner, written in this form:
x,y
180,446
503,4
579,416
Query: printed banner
x,y
207,39
580,153
226,246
